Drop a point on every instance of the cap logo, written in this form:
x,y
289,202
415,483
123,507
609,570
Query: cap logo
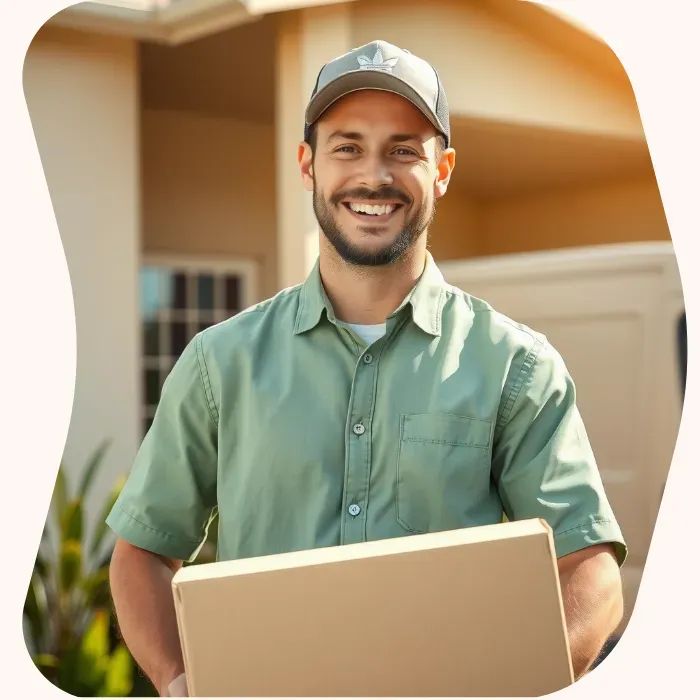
x,y
377,63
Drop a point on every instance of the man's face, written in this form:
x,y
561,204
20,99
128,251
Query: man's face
x,y
375,174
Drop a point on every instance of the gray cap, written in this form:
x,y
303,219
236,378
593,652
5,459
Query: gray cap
x,y
381,66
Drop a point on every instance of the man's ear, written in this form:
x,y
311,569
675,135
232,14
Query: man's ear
x,y
305,159
445,167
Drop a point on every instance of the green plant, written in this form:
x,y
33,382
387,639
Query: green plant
x,y
68,610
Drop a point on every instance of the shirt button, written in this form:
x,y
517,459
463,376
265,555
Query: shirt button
x,y
358,429
368,359
354,510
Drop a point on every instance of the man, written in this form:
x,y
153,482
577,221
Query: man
x,y
373,401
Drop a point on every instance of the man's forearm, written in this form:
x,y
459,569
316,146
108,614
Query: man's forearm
x,y
590,624
592,598
141,586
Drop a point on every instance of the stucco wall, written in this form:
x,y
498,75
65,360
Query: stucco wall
x,y
209,189
82,94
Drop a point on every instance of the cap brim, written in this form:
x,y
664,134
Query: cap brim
x,y
366,80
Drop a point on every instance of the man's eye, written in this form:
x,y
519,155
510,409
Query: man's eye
x,y
404,152
346,149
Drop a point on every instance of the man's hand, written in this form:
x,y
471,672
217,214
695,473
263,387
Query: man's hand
x,y
178,688
592,591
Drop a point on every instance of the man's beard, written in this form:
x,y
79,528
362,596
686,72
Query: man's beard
x,y
357,255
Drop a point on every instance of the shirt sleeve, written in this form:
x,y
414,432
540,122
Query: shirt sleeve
x,y
543,463
169,498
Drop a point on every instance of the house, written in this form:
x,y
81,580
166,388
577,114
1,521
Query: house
x,y
168,133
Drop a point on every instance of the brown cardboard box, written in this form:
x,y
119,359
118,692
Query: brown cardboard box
x,y
472,612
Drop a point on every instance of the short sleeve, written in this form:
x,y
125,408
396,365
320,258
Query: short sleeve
x,y
543,463
169,497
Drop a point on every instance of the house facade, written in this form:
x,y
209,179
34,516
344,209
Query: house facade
x,y
168,133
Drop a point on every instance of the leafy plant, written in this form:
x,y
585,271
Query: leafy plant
x,y
68,611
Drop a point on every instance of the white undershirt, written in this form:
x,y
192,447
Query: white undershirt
x,y
369,334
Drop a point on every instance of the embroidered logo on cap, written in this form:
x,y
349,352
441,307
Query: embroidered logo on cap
x,y
377,63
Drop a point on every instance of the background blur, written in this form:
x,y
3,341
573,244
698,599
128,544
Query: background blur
x,y
168,131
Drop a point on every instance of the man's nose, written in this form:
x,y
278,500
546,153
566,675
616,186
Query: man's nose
x,y
375,173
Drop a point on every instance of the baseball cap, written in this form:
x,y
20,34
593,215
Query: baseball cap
x,y
380,65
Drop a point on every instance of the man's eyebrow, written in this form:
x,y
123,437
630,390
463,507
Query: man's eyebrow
x,y
397,138
350,135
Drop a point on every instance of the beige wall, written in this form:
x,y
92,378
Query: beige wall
x,y
553,108
491,70
82,94
623,211
209,189
616,212
454,233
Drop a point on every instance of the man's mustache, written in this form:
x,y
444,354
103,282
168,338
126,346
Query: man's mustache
x,y
382,195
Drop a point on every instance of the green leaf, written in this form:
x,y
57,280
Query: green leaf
x,y
93,655
94,646
70,565
43,661
37,613
91,468
48,665
101,528
119,676
72,521
96,587
46,574
67,679
60,495
42,567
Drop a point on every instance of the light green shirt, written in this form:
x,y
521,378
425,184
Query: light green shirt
x,y
303,436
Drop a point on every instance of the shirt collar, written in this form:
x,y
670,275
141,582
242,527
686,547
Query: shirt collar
x,y
312,302
427,299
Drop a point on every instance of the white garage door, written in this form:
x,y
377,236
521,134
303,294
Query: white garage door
x,y
611,312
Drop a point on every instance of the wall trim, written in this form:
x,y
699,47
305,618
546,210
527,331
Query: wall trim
x,y
599,260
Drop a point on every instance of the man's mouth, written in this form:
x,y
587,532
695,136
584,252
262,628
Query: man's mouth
x,y
378,212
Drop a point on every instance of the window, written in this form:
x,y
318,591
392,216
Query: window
x,y
180,298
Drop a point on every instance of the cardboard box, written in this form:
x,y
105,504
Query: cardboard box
x,y
471,612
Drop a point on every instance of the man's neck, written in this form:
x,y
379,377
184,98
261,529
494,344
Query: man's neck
x,y
368,295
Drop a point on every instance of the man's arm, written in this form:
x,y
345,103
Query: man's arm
x,y
545,468
592,592
143,599
163,513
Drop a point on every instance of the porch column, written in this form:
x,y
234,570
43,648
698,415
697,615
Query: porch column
x,y
306,40
83,98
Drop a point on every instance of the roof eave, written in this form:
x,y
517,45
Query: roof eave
x,y
184,21
177,22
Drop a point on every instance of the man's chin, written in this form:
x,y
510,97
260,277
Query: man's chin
x,y
369,237
365,255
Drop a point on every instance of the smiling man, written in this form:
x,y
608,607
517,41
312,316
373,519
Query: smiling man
x,y
372,401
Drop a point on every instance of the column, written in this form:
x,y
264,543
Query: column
x,y
306,40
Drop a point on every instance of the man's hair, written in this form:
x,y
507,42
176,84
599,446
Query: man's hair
x,y
439,148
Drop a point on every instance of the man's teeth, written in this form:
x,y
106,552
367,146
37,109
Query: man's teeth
x,y
373,209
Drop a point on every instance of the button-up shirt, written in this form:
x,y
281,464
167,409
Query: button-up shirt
x,y
299,435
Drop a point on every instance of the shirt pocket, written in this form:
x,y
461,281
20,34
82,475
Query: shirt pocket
x,y
442,470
